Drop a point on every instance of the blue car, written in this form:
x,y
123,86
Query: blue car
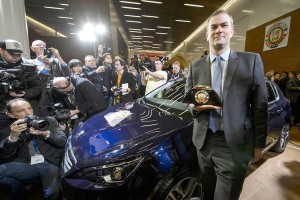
x,y
144,149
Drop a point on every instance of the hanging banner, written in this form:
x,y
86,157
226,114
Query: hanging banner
x,y
277,34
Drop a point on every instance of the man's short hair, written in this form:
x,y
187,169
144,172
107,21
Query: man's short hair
x,y
12,46
9,105
105,55
176,63
217,12
37,43
74,63
122,62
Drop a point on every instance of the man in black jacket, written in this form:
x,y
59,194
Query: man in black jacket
x,y
27,153
26,83
82,93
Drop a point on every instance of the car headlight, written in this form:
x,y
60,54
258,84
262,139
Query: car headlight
x,y
110,174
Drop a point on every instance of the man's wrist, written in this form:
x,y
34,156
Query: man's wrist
x,y
13,138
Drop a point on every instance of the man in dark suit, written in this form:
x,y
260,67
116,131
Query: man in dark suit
x,y
84,94
224,153
123,83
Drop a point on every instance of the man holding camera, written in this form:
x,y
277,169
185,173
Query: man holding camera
x,y
31,150
25,83
155,79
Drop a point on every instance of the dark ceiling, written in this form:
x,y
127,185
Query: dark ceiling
x,y
170,10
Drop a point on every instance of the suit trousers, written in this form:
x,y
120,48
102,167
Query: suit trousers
x,y
222,176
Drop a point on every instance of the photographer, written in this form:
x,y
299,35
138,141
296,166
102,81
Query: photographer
x,y
25,83
155,79
48,60
27,153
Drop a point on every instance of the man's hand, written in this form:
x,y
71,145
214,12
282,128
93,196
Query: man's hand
x,y
16,129
100,69
204,107
17,95
38,132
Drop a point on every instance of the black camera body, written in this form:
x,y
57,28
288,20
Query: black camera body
x,y
47,53
36,123
58,111
10,78
149,65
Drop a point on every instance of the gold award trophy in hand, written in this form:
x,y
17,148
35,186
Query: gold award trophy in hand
x,y
202,95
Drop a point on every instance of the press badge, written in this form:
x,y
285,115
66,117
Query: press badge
x,y
36,159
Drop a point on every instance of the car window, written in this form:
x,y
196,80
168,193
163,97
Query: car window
x,y
272,94
168,98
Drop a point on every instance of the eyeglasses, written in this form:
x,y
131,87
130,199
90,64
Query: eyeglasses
x,y
62,88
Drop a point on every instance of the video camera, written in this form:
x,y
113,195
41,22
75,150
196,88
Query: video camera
x,y
36,123
148,64
58,111
10,78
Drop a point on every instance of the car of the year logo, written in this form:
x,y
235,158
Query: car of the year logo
x,y
144,149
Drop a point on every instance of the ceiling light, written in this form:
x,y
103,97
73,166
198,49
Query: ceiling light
x,y
138,46
73,33
169,42
150,16
130,2
147,42
149,29
159,33
166,27
63,4
133,21
131,8
180,20
136,38
247,11
71,24
193,5
136,16
65,17
157,2
54,8
137,41
148,36
147,46
135,31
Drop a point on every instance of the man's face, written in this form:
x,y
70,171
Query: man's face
x,y
219,32
108,59
176,69
118,66
90,62
158,65
8,57
20,109
38,48
76,69
276,76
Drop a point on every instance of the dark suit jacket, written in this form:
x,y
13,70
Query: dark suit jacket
x,y
87,98
245,103
126,78
292,91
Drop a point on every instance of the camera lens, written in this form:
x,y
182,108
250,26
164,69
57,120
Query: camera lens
x,y
41,125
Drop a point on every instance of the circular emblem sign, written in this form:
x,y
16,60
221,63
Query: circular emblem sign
x,y
276,34
201,97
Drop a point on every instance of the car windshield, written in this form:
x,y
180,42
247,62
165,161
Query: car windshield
x,y
168,99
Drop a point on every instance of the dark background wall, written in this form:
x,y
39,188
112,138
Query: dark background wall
x,y
282,59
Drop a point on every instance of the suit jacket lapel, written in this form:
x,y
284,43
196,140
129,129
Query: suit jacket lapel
x,y
232,65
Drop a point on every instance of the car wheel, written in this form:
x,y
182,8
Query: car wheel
x,y
182,185
283,139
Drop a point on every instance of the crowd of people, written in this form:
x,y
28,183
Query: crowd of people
x,y
227,138
289,83
58,95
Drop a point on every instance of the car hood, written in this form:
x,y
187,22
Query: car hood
x,y
121,132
